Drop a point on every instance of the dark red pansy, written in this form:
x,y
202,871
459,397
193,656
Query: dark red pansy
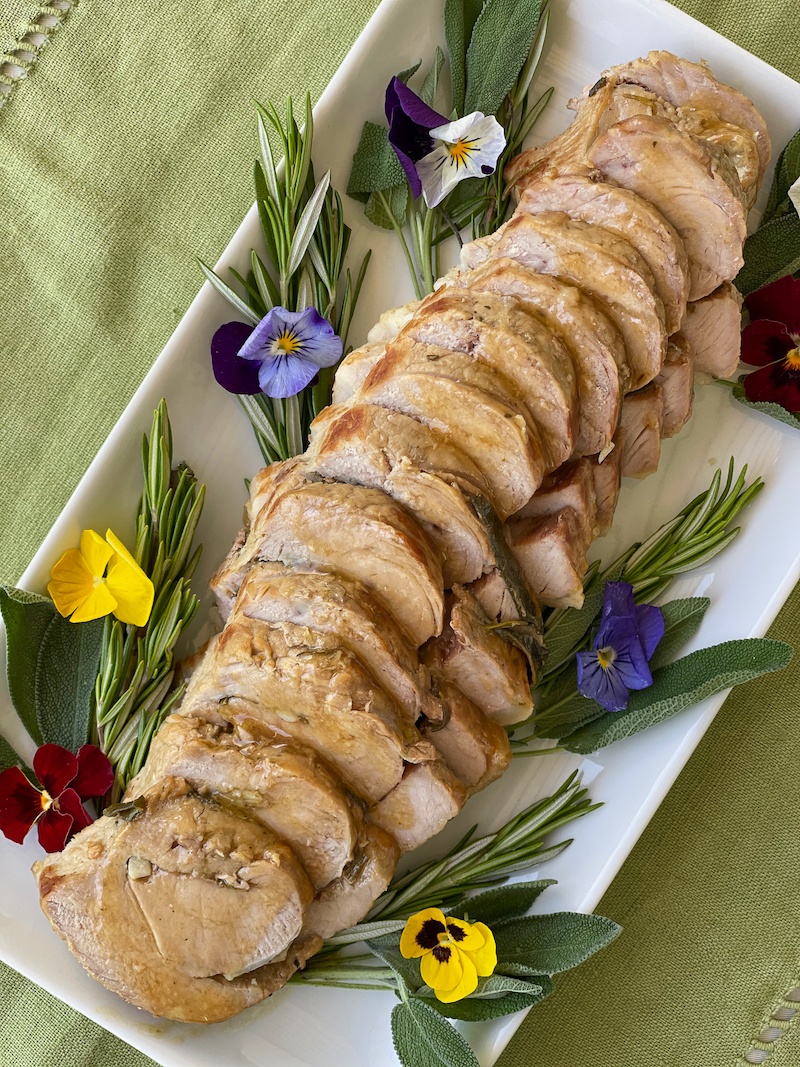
x,y
57,809
771,342
779,301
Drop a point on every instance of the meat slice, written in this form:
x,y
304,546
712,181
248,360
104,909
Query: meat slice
x,y
354,368
692,85
551,553
694,187
506,336
178,905
677,386
392,321
490,671
597,349
571,486
346,901
372,446
474,747
606,475
713,328
738,144
355,531
603,265
471,403
641,425
344,610
584,198
279,682
494,597
285,787
421,805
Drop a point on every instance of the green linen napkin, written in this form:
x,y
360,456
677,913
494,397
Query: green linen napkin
x,y
124,155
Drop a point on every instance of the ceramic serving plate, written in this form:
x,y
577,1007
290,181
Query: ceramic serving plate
x,y
312,1027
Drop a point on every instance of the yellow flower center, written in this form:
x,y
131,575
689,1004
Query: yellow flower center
x,y
605,657
791,360
45,800
461,150
285,344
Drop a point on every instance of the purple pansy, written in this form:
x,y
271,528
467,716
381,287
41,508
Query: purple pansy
x,y
625,642
279,357
437,154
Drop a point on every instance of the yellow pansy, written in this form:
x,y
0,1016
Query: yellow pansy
x,y
101,578
454,953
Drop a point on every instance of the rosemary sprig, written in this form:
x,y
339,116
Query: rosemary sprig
x,y
133,692
306,241
472,864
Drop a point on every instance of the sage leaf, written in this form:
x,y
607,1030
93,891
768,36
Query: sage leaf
x,y
568,714
375,165
431,83
422,1037
502,903
563,639
775,411
553,943
682,620
386,949
498,48
769,253
26,617
66,670
495,996
460,17
682,684
395,199
787,171
8,757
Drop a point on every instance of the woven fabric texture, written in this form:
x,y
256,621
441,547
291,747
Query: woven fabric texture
x,y
122,157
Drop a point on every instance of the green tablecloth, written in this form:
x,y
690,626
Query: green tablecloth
x,y
125,154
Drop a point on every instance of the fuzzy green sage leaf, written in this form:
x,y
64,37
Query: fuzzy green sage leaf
x,y
460,17
682,620
498,48
495,996
26,617
421,1036
375,165
8,757
503,902
66,671
775,411
682,684
553,943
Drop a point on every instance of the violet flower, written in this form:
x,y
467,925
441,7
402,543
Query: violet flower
x,y
437,154
279,357
622,649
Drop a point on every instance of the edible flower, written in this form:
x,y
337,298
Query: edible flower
x,y
437,154
453,954
279,357
83,589
771,342
57,808
622,649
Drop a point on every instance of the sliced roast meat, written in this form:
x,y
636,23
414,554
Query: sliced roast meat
x,y
495,598
479,411
693,186
606,475
713,327
498,330
346,901
738,144
692,85
603,265
392,321
359,532
474,747
587,199
552,556
595,344
571,486
372,446
485,667
343,609
286,681
354,368
419,806
677,386
178,908
641,426
285,787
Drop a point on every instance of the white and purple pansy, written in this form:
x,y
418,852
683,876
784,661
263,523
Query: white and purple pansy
x,y
437,154
619,658
280,357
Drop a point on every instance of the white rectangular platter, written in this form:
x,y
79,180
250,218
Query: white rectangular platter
x,y
305,1027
